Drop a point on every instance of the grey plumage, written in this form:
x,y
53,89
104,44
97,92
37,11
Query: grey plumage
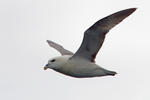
x,y
59,48
82,63
95,35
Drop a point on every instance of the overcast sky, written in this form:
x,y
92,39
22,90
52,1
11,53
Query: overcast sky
x,y
25,25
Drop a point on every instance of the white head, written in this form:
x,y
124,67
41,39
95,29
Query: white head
x,y
56,62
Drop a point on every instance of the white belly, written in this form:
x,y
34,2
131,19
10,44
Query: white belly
x,y
80,68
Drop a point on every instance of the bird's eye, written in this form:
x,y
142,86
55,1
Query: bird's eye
x,y
53,60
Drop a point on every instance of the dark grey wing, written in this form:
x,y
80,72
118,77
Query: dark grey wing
x,y
59,48
95,35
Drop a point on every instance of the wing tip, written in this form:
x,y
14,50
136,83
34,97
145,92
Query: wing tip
x,y
131,10
48,41
128,11
123,13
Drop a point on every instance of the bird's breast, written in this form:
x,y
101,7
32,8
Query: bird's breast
x,y
77,68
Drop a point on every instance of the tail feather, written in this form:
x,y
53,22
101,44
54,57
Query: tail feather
x,y
112,73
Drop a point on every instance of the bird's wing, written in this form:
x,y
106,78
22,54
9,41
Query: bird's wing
x,y
95,35
59,48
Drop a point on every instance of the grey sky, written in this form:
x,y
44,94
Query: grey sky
x,y
25,25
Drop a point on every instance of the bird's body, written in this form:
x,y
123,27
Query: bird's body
x,y
82,63
80,68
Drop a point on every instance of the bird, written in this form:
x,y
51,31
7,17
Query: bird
x,y
81,64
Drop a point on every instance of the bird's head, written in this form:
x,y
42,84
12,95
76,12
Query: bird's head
x,y
56,62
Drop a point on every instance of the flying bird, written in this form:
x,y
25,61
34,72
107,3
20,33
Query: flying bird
x,y
82,63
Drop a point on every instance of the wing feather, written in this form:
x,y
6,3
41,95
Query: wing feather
x,y
95,35
59,48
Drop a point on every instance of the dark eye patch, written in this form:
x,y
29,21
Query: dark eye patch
x,y
53,60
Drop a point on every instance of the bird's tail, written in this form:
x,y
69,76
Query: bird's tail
x,y
112,73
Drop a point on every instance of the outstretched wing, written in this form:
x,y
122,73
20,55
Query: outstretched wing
x,y
95,35
59,48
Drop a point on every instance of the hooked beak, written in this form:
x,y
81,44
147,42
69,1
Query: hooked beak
x,y
46,66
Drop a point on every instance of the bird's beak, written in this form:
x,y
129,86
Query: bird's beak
x,y
45,67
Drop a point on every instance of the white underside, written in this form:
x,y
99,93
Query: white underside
x,y
79,67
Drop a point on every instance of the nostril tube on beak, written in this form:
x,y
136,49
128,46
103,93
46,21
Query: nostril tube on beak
x,y
46,67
